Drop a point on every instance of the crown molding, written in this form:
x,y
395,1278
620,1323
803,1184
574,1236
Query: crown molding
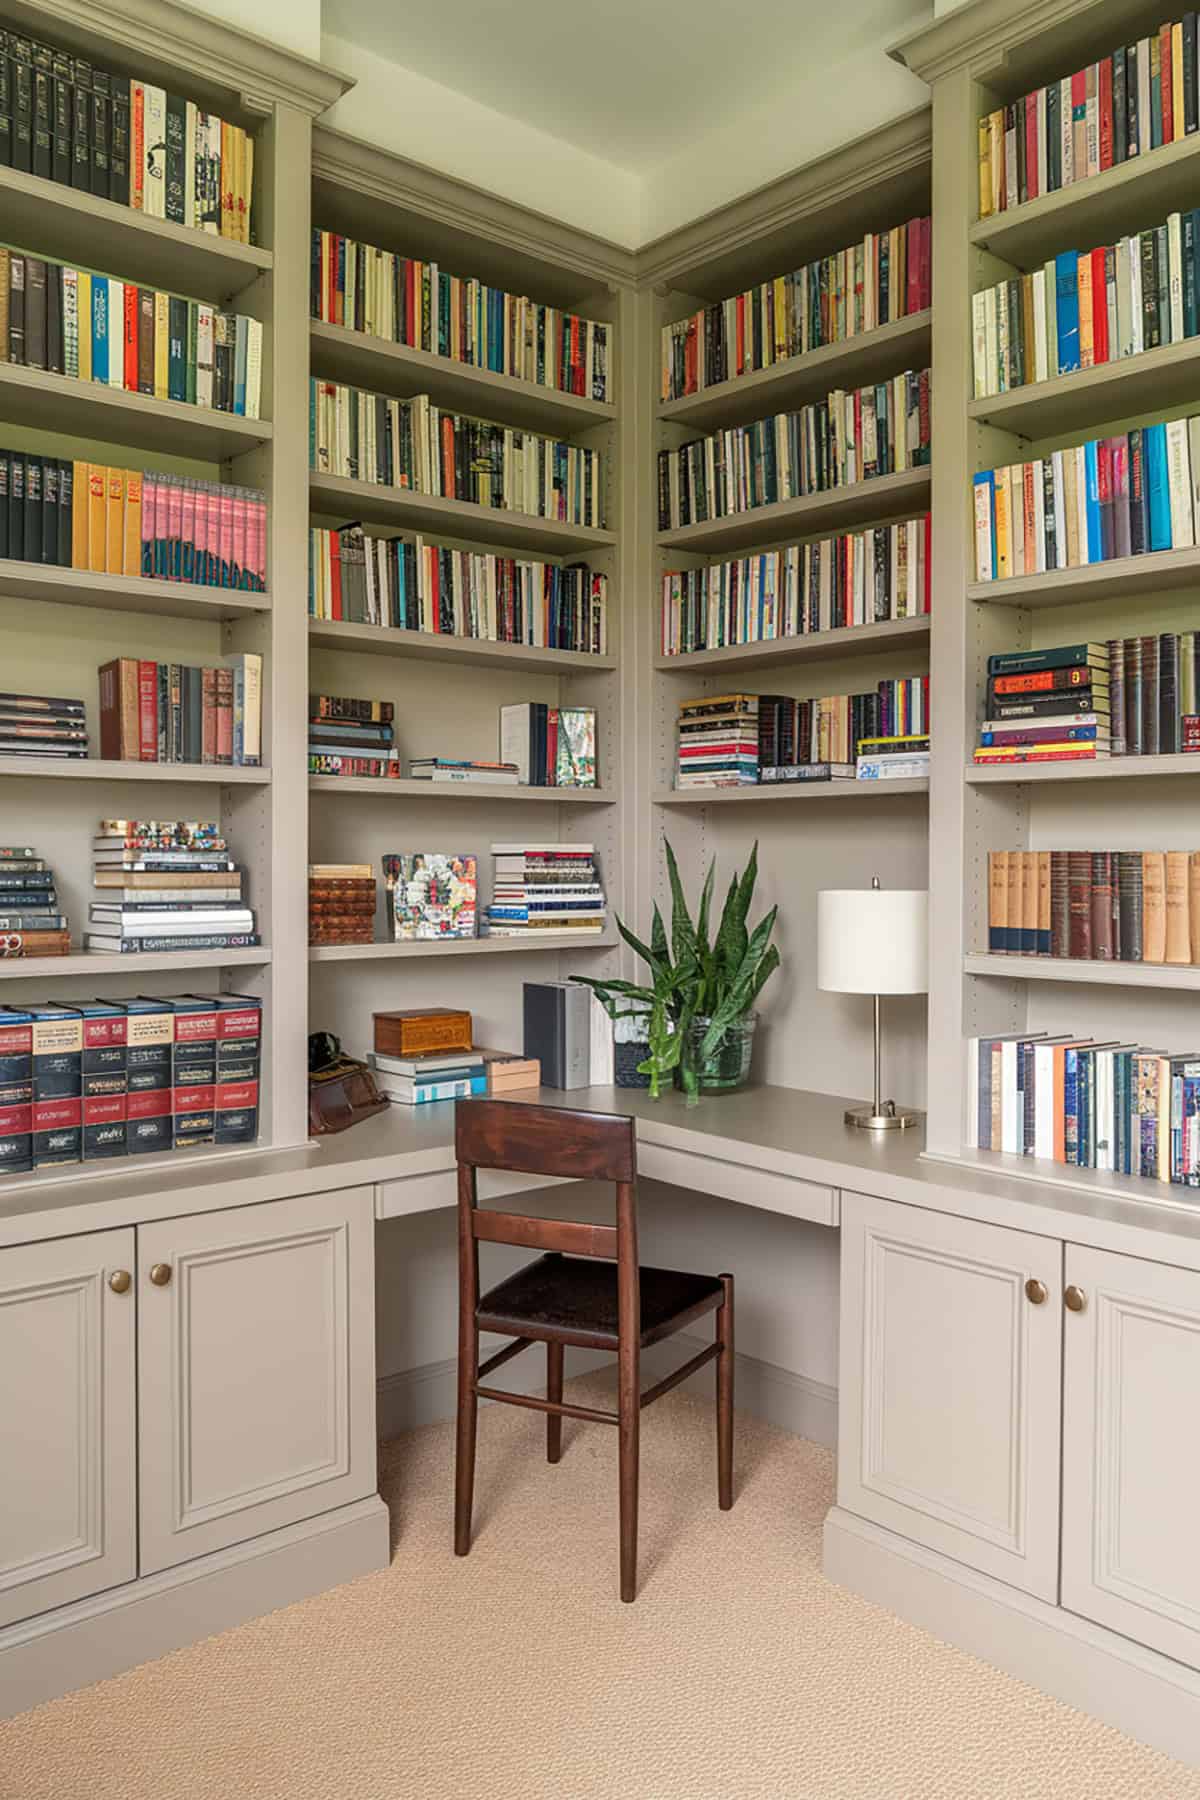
x,y
980,36
216,53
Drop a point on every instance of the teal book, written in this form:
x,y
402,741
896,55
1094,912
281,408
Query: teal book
x,y
99,329
193,351
1154,442
240,340
176,348
1095,540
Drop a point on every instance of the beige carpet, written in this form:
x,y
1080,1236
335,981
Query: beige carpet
x,y
739,1674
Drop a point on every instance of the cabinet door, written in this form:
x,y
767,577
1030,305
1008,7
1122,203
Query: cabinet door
x,y
256,1370
67,1505
949,1387
1131,1453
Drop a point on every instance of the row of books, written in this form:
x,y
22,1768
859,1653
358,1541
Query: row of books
x,y
122,139
415,445
738,740
166,886
1121,496
1095,905
1128,103
868,284
341,903
86,1080
80,515
43,725
545,887
1077,312
856,578
1136,696
421,305
31,923
352,736
410,584
1087,1105
142,340
180,713
851,436
549,746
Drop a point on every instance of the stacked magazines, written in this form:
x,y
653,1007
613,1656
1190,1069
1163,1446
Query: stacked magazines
x,y
166,885
36,725
545,887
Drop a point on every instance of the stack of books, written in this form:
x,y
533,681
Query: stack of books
x,y
1048,705
902,757
550,746
124,139
718,741
421,305
341,903
1095,905
30,921
447,770
1111,1106
1140,97
166,885
349,736
143,340
415,1080
38,725
545,887
431,894
175,713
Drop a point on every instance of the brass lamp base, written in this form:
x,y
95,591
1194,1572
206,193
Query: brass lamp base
x,y
882,1115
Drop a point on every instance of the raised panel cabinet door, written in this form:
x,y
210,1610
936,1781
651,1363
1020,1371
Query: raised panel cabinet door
x,y
256,1370
949,1406
67,1474
1131,1452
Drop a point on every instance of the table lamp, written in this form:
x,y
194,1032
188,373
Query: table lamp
x,y
874,941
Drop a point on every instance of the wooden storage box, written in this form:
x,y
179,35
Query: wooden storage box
x,y
422,1030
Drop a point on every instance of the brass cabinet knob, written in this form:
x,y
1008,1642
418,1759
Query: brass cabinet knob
x,y
120,1281
1035,1291
160,1274
1075,1299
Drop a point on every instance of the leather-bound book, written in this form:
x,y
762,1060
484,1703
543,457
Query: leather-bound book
x,y
1103,947
1129,883
1079,869
1060,903
998,901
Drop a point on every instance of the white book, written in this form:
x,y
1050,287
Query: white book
x,y
132,925
1010,1122
1002,329
1137,320
1017,515
204,355
985,568
1039,519
1175,268
1092,121
116,333
191,121
1143,70
254,343
971,1097
1102,1136
1179,485
1041,367
154,161
1043,1101
1067,131
1122,346
70,311
992,349
1194,460
979,344
1060,513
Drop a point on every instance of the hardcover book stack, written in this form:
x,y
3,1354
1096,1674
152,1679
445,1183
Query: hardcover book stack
x,y
421,305
30,921
1133,101
736,740
1140,906
1119,496
123,139
718,741
431,894
348,736
1088,1105
78,515
904,756
857,578
341,903
550,746
176,713
545,887
415,445
848,437
412,585
854,290
96,327
1048,705
164,885
449,771
38,725
416,1080
1077,312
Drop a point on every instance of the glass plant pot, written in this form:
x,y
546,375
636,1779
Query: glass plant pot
x,y
631,1046
727,1064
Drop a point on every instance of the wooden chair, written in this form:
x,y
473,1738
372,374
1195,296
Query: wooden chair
x,y
568,1296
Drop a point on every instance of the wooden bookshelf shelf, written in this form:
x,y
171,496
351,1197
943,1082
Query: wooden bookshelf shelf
x,y
1110,768
1122,578
783,791
1166,377
437,646
1096,1186
481,946
905,343
860,503
1125,198
89,409
48,219
96,768
485,791
126,593
492,525
85,963
1102,974
339,354
810,646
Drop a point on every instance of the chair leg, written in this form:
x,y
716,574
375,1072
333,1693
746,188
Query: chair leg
x,y
725,1397
464,1464
554,1391
630,1413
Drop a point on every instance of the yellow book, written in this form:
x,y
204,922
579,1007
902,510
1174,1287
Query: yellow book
x,y
1003,524
781,313
114,530
84,290
1087,333
248,187
1177,935
996,130
1177,117
132,538
80,479
985,169
238,139
162,345
97,512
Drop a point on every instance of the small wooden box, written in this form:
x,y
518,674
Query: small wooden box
x,y
509,1073
425,1029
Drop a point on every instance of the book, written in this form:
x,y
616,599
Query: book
x,y
431,894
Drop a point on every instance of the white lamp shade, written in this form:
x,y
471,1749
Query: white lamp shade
x,y
873,940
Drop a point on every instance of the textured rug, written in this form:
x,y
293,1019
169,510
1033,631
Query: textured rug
x,y
739,1674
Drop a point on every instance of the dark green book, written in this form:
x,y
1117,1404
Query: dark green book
x,y
177,330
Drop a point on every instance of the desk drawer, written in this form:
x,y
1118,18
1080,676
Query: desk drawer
x,y
788,1194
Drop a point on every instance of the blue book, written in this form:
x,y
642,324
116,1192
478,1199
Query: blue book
x,y
1154,441
99,329
240,341
986,479
1071,1060
1095,540
1066,288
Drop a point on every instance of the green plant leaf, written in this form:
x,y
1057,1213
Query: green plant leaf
x,y
635,943
683,932
706,894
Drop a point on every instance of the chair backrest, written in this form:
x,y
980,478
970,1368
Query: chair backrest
x,y
546,1140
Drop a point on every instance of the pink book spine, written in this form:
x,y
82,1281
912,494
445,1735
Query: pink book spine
x,y
174,527
206,508
161,504
259,516
149,502
187,530
237,572
225,538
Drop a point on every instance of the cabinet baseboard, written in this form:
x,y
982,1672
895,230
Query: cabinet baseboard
x,y
1152,1697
